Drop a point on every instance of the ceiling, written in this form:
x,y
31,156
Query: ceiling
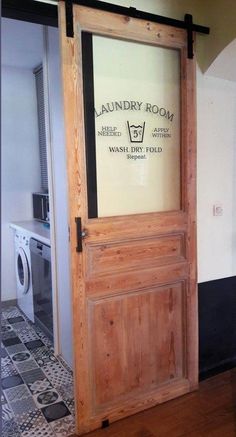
x,y
21,43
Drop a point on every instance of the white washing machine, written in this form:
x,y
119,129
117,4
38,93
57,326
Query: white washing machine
x,y
23,273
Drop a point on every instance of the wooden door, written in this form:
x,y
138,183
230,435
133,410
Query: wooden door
x,y
131,175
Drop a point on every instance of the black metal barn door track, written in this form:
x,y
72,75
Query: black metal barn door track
x,y
135,13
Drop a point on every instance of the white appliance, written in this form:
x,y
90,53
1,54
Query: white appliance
x,y
23,273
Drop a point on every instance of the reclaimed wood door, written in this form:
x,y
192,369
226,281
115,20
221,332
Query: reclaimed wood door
x,y
129,101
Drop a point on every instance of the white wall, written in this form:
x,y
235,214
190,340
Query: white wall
x,y
216,146
60,194
20,162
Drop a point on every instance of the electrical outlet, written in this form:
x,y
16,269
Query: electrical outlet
x,y
217,209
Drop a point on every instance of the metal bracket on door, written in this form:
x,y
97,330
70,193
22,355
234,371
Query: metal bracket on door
x,y
189,26
69,18
80,234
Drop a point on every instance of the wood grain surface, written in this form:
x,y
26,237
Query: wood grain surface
x,y
134,284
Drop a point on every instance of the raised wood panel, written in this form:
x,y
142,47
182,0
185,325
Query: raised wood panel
x,y
135,280
143,225
137,342
118,257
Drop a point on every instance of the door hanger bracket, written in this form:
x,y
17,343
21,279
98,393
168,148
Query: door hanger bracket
x,y
69,19
189,27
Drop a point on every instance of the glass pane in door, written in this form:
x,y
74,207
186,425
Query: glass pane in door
x,y
136,97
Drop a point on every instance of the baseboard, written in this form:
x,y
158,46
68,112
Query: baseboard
x,y
217,326
222,367
8,303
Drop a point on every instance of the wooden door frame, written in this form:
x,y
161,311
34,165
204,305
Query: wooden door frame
x,y
75,143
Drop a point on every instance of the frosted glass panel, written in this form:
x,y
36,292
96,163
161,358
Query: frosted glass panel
x,y
137,127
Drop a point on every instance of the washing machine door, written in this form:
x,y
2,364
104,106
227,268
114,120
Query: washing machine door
x,y
22,271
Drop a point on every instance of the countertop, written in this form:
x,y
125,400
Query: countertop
x,y
36,230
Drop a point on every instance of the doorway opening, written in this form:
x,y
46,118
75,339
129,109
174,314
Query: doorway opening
x,y
36,292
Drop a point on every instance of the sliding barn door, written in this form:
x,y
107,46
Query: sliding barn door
x,y
130,133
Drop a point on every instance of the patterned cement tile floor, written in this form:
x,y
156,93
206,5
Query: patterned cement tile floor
x,y
37,387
